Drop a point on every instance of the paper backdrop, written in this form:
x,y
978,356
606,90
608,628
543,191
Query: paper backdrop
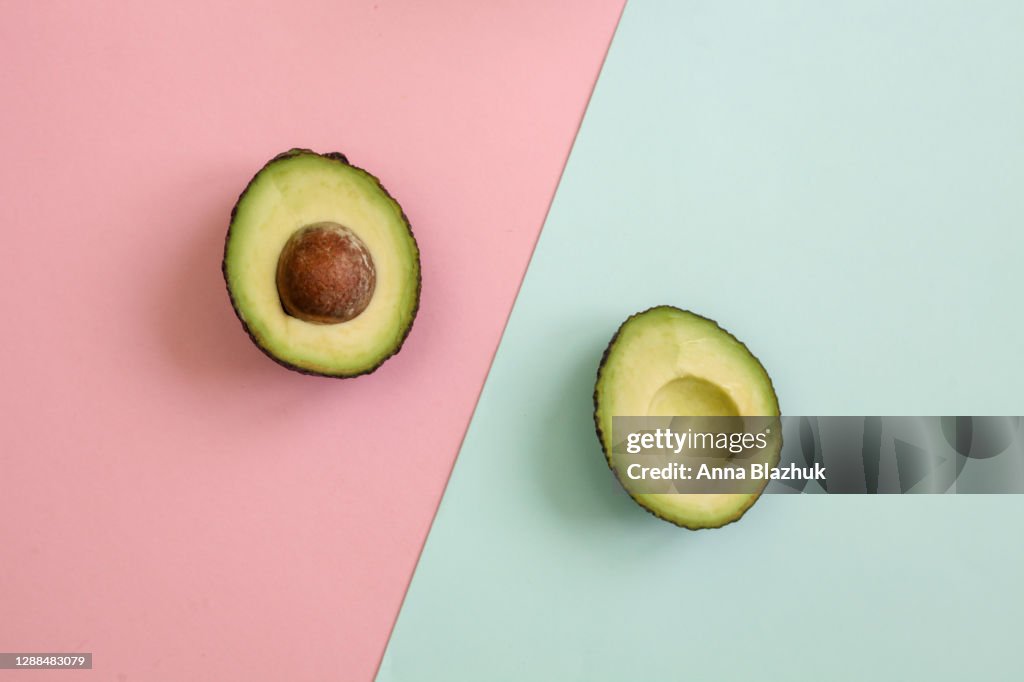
x,y
838,184
170,499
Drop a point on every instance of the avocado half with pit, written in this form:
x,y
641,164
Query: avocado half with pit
x,y
321,265
667,362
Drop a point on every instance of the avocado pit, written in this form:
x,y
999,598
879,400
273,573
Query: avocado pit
x,y
325,274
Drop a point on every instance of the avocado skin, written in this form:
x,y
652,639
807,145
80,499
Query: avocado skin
x,y
340,158
600,433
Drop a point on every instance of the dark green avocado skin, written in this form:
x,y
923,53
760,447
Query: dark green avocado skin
x,y
600,433
340,158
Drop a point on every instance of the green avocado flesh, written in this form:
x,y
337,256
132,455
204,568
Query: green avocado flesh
x,y
670,362
313,230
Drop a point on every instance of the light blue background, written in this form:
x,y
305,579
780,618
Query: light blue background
x,y
841,185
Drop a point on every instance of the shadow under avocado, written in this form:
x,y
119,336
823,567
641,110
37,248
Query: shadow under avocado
x,y
193,322
571,465
197,327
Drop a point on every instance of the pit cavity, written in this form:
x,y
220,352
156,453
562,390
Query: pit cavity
x,y
692,396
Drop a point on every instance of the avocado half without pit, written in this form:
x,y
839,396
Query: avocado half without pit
x,y
321,265
667,362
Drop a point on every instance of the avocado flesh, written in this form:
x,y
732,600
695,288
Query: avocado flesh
x,y
671,362
301,188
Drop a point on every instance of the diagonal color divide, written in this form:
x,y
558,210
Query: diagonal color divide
x,y
838,184
170,499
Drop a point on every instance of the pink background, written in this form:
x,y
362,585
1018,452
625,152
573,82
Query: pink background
x,y
170,499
